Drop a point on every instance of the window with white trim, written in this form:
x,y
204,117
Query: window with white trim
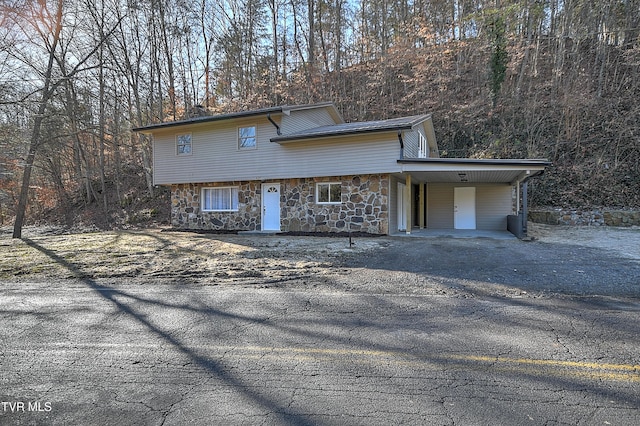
x,y
423,150
329,193
247,137
183,144
223,199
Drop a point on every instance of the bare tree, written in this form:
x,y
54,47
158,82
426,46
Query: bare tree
x,y
51,38
48,24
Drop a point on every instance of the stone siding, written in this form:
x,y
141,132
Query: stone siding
x,y
363,207
186,208
577,217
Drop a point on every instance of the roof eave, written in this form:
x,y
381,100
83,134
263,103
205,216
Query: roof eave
x,y
208,119
237,115
293,138
484,161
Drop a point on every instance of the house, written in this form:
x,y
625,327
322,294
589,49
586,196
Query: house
x,y
302,168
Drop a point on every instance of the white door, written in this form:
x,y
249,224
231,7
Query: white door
x,y
464,208
270,206
402,208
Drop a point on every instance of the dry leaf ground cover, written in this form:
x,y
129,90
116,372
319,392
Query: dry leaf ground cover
x,y
156,255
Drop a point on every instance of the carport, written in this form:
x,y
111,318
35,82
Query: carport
x,y
462,194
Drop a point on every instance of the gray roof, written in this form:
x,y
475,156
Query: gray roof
x,y
229,116
393,124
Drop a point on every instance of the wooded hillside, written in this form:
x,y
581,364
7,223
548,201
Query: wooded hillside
x,y
540,79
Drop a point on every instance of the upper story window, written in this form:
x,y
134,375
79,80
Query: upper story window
x,y
183,144
247,137
329,193
423,148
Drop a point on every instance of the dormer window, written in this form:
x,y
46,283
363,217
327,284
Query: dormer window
x,y
247,137
183,144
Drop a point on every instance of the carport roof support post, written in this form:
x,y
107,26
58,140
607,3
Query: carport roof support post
x,y
525,187
407,196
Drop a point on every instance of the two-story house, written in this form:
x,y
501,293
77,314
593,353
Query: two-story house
x,y
302,168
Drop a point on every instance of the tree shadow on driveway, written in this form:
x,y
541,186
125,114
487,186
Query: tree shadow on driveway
x,y
483,265
330,331
108,294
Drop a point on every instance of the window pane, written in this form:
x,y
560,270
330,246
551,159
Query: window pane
x,y
183,144
234,198
336,193
323,193
222,199
207,200
247,137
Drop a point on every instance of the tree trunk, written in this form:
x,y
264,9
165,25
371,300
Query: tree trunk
x,y
35,142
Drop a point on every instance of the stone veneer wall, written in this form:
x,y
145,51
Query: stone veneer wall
x,y
364,206
577,217
186,214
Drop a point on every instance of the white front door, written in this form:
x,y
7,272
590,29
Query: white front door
x,y
464,208
402,208
270,206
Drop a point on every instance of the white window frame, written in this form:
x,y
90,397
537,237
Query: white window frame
x,y
178,144
233,198
329,185
254,137
423,150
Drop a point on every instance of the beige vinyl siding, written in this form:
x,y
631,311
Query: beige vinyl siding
x,y
493,205
216,157
411,141
298,121
440,205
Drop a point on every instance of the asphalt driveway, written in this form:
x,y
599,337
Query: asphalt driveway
x,y
157,328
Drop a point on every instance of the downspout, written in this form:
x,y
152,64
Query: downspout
x,y
401,144
274,124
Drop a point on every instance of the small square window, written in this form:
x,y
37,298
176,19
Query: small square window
x,y
247,137
329,193
183,144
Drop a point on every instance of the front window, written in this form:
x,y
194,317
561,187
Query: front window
x,y
183,144
329,193
220,199
247,137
